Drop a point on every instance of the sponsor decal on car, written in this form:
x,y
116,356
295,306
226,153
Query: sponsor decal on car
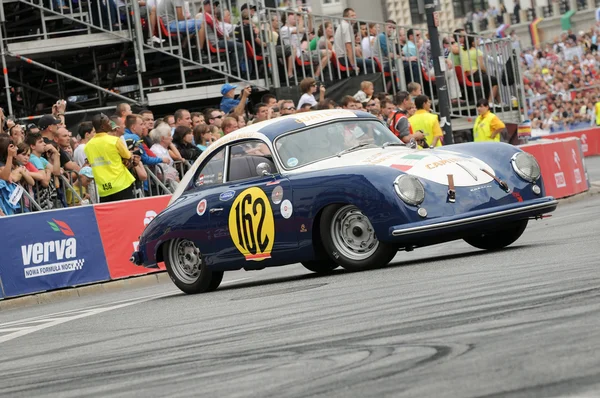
x,y
277,195
252,224
286,209
225,196
201,207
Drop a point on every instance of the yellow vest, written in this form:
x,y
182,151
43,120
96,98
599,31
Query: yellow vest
x,y
110,173
597,109
425,121
482,130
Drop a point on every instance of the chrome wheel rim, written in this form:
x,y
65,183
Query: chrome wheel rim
x,y
353,234
185,260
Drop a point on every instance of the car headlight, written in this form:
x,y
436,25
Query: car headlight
x,y
409,189
526,166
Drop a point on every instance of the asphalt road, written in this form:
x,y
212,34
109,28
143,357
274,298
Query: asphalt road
x,y
447,321
593,168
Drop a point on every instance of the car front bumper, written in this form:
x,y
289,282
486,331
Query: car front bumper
x,y
474,220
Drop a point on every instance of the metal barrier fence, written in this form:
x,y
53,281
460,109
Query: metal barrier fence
x,y
66,190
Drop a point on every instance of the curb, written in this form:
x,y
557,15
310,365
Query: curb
x,y
85,291
594,190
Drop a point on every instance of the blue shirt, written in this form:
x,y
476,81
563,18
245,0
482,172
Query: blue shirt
x,y
228,104
201,147
146,159
410,50
39,163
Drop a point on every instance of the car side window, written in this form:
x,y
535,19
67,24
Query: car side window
x,y
212,172
248,160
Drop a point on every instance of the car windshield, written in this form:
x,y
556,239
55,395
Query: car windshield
x,y
334,139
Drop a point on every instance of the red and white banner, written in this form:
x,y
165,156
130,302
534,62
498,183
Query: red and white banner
x,y
562,167
120,225
590,140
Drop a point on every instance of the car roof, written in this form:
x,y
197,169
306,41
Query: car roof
x,y
281,125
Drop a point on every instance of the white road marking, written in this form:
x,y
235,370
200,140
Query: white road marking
x,y
12,330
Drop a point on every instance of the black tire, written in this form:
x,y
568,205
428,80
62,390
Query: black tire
x,y
377,254
202,281
320,267
498,238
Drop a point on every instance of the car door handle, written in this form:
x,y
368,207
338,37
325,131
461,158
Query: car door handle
x,y
216,209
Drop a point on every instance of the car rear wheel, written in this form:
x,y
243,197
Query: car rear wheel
x,y
499,237
186,269
349,239
320,267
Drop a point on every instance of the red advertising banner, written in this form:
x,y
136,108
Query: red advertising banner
x,y
562,166
121,224
590,140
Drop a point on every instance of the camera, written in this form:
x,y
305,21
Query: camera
x,y
275,109
254,90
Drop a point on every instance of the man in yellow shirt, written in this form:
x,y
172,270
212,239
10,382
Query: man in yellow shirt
x,y
106,154
427,122
488,127
597,111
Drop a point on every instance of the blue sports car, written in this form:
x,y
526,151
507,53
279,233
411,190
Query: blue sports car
x,y
335,188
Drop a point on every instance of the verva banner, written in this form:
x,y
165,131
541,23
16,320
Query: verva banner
x,y
121,224
50,250
562,166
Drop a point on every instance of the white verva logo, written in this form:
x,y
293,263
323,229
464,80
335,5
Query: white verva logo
x,y
150,214
61,256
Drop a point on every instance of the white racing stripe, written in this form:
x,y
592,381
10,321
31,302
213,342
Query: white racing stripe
x,y
15,329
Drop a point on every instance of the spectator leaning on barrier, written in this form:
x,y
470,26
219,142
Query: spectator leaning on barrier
x,y
197,119
287,107
230,125
105,154
16,134
213,117
163,147
488,127
86,132
63,142
170,120
183,139
135,127
81,186
43,170
427,122
202,136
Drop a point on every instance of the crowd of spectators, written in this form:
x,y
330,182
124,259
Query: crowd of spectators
x,y
49,160
562,81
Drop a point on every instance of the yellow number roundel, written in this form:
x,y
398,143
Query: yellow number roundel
x,y
251,224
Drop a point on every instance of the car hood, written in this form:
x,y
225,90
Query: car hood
x,y
433,165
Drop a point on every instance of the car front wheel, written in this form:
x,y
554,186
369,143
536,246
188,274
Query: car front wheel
x,y
499,237
349,239
186,269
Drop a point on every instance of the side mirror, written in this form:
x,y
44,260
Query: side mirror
x,y
264,169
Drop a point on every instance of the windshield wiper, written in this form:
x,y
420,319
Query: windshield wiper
x,y
355,147
393,144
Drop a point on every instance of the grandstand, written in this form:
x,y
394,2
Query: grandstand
x,y
96,55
